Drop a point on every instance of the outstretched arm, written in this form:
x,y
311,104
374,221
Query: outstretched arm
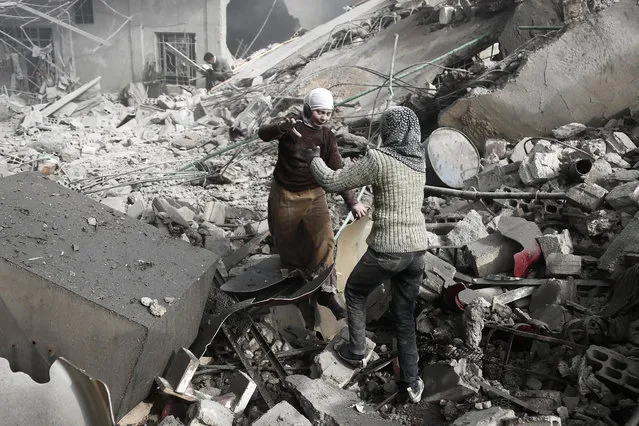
x,y
357,175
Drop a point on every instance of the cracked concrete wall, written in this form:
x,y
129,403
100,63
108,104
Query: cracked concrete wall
x,y
587,76
135,44
310,15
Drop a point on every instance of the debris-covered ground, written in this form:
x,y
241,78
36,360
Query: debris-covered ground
x,y
527,313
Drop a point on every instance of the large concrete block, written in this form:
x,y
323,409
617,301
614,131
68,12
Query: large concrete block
x,y
72,273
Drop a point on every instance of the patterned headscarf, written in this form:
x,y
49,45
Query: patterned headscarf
x,y
401,137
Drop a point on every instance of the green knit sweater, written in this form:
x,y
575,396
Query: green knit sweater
x,y
398,222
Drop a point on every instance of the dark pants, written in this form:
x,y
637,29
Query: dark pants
x,y
405,272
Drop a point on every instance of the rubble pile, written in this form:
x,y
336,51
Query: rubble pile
x,y
527,311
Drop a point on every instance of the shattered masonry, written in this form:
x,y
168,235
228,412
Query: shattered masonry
x,y
127,197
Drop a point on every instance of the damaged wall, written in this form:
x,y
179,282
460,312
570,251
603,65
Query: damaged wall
x,y
584,76
136,43
309,15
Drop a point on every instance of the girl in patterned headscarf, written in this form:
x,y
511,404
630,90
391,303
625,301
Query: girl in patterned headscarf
x,y
398,239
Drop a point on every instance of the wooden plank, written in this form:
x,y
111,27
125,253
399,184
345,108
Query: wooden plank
x,y
238,255
50,109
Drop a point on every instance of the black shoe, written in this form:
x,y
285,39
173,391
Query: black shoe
x,y
344,351
329,300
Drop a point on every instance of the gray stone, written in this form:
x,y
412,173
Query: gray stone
x,y
118,203
170,421
556,243
534,383
540,166
332,368
496,147
117,261
533,421
620,143
594,147
601,169
328,405
215,212
136,209
452,381
587,196
69,154
493,416
495,177
438,274
626,241
621,198
470,229
602,221
619,177
563,265
211,413
282,414
492,254
615,160
568,130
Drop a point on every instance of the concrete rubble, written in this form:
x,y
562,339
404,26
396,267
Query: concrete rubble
x,y
527,313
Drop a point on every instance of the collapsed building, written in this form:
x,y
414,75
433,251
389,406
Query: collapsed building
x,y
137,249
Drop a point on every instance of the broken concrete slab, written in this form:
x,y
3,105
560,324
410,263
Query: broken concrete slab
x,y
328,405
282,414
573,65
587,196
602,221
332,368
452,381
556,243
621,198
98,284
599,171
563,265
470,229
493,416
620,143
492,255
541,165
619,177
568,130
438,274
494,178
210,413
533,421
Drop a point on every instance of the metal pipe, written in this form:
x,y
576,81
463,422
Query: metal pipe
x,y
475,195
540,27
404,74
579,168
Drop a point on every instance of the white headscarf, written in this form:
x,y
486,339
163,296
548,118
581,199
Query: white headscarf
x,y
319,98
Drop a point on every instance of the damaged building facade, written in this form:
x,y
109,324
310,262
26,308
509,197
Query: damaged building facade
x,y
91,37
137,262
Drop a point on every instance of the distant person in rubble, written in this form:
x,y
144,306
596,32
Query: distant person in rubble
x,y
398,238
298,215
216,69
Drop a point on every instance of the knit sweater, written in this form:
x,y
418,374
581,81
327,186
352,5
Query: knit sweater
x,y
398,222
291,170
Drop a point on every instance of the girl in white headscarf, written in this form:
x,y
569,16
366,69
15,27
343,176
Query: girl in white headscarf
x,y
298,214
